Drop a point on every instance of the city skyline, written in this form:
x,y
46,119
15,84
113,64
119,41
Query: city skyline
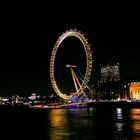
x,y
29,32
26,46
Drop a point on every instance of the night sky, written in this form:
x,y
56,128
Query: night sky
x,y
28,36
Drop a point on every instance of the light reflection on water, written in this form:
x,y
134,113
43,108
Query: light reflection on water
x,y
119,124
59,127
135,118
86,124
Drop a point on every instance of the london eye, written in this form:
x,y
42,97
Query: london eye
x,y
80,85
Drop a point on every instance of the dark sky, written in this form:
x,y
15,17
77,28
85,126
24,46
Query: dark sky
x,y
28,36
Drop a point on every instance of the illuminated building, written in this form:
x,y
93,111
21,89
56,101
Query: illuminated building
x,y
110,73
134,89
109,84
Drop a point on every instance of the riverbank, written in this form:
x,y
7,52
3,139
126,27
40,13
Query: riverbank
x,y
120,104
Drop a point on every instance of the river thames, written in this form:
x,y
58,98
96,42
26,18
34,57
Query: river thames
x,y
71,124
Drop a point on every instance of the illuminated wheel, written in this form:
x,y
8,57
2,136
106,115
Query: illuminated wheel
x,y
88,68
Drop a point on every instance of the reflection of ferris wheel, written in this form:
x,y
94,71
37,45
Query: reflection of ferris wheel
x,y
89,60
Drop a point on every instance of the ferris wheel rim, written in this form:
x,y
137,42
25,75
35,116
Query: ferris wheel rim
x,y
89,61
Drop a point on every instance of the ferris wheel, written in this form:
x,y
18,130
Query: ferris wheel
x,y
88,69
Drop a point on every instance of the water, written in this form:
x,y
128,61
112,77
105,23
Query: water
x,y
71,124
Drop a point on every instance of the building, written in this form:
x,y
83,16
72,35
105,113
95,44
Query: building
x,y
109,85
110,73
134,90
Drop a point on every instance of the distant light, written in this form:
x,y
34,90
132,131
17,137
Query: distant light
x,y
5,99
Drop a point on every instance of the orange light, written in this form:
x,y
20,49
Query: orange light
x,y
134,89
